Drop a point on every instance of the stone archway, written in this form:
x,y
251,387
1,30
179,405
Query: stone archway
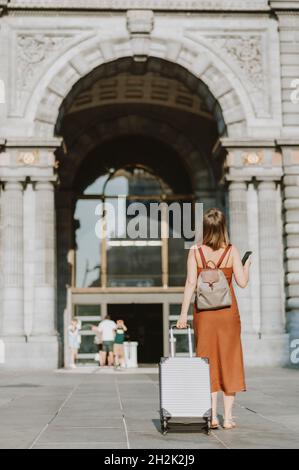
x,y
196,58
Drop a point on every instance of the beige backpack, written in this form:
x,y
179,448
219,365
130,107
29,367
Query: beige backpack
x,y
213,291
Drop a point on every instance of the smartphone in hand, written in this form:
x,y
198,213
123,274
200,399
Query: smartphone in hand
x,y
246,256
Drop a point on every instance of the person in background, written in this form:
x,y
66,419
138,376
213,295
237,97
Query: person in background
x,y
98,341
118,348
74,341
107,328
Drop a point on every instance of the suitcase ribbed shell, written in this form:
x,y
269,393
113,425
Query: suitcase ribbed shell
x,y
185,389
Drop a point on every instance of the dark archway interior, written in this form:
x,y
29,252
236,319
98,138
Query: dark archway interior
x,y
135,150
153,65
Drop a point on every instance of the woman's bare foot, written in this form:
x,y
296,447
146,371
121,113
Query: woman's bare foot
x,y
215,423
229,424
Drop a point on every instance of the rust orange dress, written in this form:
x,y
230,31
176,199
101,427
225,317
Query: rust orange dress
x,y
218,337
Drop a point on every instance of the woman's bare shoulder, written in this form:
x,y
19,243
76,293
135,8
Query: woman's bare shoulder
x,y
195,247
234,250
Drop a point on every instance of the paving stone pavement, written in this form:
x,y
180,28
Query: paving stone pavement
x,y
92,409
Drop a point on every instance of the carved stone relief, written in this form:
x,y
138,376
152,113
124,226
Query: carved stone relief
x,y
246,54
33,50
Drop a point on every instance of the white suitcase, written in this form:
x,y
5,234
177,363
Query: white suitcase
x,y
185,387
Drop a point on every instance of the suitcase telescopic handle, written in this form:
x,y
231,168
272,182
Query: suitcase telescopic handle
x,y
172,340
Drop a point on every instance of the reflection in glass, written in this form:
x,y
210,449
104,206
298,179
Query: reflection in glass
x,y
88,251
90,315
118,239
133,258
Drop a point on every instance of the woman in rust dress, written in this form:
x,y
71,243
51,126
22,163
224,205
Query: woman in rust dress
x,y
218,332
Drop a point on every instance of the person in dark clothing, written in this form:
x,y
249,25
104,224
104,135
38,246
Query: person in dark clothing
x,y
118,348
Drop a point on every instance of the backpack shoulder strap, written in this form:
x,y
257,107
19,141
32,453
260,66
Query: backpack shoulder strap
x,y
203,259
223,256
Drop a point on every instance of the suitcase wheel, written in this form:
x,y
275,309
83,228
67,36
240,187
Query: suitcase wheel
x,y
208,429
164,426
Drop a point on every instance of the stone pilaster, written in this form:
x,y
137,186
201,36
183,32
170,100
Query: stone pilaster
x,y
291,208
65,253
27,250
1,267
239,237
29,254
12,323
45,274
261,165
271,265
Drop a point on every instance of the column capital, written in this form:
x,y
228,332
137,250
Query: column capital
x,y
238,179
266,185
247,143
268,179
288,143
46,184
261,162
11,184
290,158
31,143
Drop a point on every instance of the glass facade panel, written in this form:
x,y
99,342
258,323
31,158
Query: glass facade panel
x,y
87,244
129,202
89,316
138,266
177,262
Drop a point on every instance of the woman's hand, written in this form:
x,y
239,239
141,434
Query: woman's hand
x,y
241,272
182,322
248,262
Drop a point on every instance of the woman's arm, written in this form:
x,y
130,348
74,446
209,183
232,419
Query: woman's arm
x,y
241,272
189,288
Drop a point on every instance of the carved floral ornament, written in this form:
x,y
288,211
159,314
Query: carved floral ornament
x,y
33,50
28,158
246,52
245,159
253,158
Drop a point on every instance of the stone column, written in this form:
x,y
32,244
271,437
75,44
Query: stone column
x,y
65,250
271,263
1,271
239,237
291,207
12,259
45,275
29,255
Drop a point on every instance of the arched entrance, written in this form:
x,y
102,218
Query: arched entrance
x,y
148,132
162,93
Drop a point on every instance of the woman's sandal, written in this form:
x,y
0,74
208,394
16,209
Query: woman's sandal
x,y
229,424
215,423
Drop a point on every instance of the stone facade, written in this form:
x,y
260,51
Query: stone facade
x,y
247,56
